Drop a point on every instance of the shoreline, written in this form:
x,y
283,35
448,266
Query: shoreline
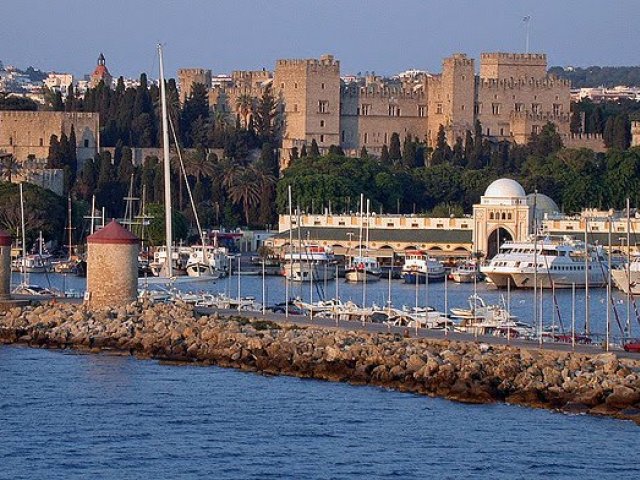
x,y
464,371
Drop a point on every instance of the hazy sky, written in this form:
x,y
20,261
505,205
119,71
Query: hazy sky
x,y
383,36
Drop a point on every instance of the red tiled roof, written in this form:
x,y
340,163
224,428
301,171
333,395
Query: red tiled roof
x,y
113,234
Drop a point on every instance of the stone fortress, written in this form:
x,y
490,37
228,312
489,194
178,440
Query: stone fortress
x,y
512,96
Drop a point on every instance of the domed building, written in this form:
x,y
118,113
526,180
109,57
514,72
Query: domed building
x,y
503,214
541,206
101,73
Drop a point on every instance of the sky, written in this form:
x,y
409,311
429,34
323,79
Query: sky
x,y
365,35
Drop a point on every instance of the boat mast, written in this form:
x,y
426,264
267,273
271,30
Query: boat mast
x,y
287,276
167,170
24,238
364,265
535,263
628,269
69,227
587,328
361,225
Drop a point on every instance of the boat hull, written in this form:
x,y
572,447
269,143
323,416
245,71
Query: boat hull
x,y
625,280
421,278
359,276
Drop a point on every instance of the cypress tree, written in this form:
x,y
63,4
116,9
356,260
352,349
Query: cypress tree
x,y
363,152
457,158
303,151
294,154
54,158
394,148
385,159
621,138
72,154
608,132
314,151
408,152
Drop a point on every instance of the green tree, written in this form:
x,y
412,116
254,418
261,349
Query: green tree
x,y
245,105
394,148
409,152
155,230
314,151
265,117
385,158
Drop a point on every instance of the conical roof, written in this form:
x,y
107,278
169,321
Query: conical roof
x,y
113,234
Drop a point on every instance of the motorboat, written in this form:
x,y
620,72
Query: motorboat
x,y
483,319
208,259
34,263
466,272
363,268
311,263
627,276
418,267
551,261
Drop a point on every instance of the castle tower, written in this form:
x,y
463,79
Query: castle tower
x,y
5,265
310,94
101,73
451,99
188,76
112,267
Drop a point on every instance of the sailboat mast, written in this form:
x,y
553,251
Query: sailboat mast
x,y
167,169
24,238
69,226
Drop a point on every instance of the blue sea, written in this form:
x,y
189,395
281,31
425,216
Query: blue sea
x,y
71,416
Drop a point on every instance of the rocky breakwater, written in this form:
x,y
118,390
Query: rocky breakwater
x,y
463,371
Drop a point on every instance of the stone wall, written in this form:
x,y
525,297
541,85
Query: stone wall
x,y
469,372
112,275
28,133
188,76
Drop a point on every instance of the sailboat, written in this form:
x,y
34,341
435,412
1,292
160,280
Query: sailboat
x,y
24,288
166,274
363,268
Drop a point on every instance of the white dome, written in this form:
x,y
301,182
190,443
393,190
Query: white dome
x,y
543,204
505,188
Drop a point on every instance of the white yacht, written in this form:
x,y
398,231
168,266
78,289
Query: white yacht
x,y
179,256
561,262
363,268
483,319
35,263
312,263
465,272
208,260
418,266
627,276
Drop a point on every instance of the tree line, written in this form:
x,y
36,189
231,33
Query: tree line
x,y
452,179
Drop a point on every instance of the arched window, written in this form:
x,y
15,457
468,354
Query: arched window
x,y
504,216
490,215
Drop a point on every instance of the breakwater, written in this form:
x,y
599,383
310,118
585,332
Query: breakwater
x,y
462,371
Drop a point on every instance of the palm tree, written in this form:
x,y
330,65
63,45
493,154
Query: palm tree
x,y
8,166
244,104
244,189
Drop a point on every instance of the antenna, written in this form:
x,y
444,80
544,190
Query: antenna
x,y
527,23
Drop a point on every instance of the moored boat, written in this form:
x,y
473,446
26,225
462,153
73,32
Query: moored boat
x,y
418,267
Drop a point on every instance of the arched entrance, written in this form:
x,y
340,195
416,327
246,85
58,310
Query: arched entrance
x,y
497,238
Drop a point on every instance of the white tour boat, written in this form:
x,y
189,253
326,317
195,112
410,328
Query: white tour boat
x,y
554,261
